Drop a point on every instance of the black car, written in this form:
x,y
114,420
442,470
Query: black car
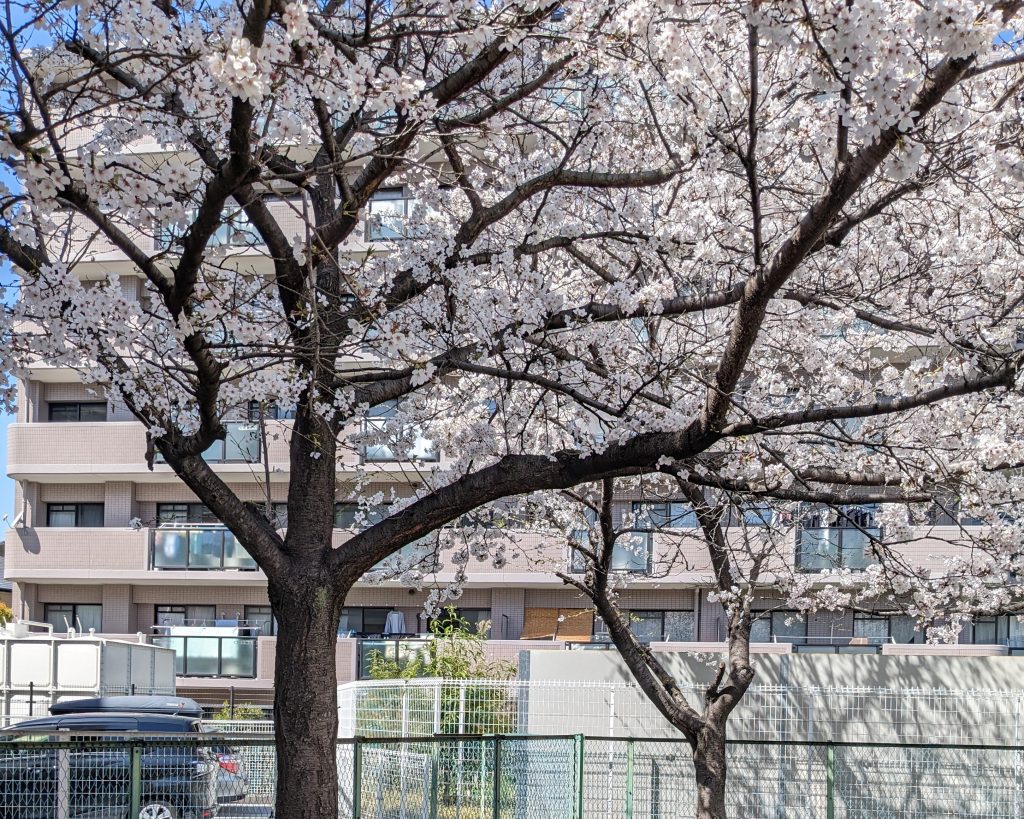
x,y
178,779
232,780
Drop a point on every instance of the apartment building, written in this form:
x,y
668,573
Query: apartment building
x,y
102,543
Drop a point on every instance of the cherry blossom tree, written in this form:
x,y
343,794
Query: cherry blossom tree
x,y
768,247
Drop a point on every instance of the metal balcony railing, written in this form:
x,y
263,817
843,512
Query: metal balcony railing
x,y
198,547
202,656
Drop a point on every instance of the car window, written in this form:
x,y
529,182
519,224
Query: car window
x,y
27,737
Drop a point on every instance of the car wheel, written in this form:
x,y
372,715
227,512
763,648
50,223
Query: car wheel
x,y
157,810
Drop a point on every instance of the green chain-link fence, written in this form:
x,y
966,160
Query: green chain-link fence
x,y
507,777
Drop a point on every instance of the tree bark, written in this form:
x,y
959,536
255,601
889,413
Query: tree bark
x,y
710,771
306,697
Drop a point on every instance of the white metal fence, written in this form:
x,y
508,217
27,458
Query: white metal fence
x,y
425,707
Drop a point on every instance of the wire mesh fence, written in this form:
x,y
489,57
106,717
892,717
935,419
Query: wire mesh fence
x,y
517,777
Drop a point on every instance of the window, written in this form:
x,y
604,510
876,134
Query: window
x,y
235,229
832,538
757,515
278,512
777,624
185,615
630,553
378,423
260,620
647,626
386,213
74,411
873,626
168,514
271,411
903,629
471,619
74,514
78,616
358,621
652,626
986,630
670,515
350,515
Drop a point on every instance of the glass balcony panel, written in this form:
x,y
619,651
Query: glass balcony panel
x,y
202,656
242,443
238,658
235,555
170,549
205,548
178,645
818,549
631,553
857,547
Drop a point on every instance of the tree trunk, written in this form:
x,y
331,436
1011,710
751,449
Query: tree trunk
x,y
306,698
710,769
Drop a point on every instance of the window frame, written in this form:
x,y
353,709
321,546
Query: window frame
x,y
372,230
194,511
78,405
600,634
77,509
73,620
248,610
184,609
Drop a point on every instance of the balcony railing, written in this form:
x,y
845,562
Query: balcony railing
x,y
200,656
827,548
198,548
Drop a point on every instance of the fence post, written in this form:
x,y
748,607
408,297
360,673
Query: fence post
x,y
135,785
434,781
578,748
830,781
231,702
357,779
64,784
437,708
496,811
31,698
629,778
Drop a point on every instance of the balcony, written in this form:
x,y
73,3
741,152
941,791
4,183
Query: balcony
x,y
51,553
198,548
208,652
823,549
113,450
